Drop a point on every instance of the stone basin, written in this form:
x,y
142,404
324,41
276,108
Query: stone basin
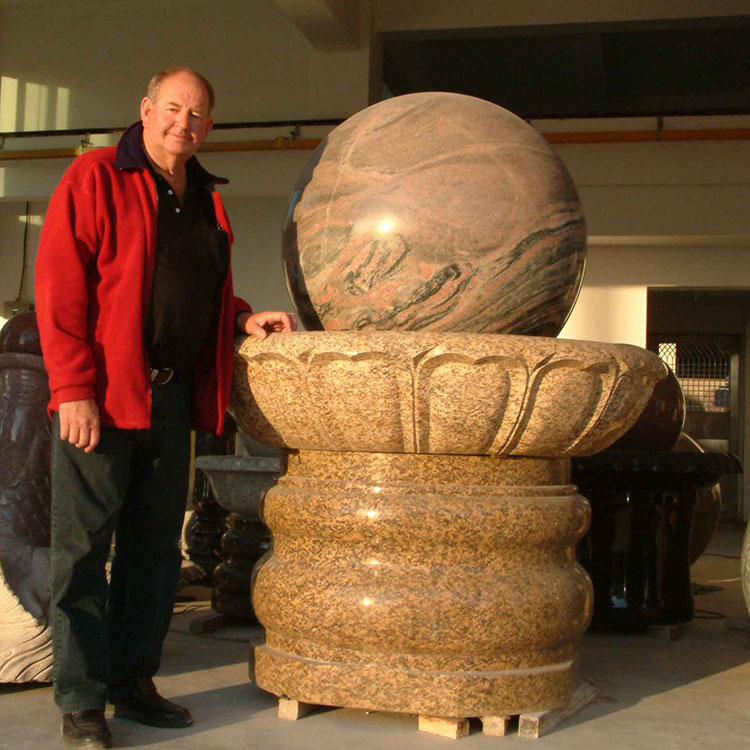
x,y
239,482
424,526
440,393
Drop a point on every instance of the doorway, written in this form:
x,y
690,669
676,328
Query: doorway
x,y
701,335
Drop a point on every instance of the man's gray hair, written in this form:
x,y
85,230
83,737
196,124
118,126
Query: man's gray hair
x,y
152,92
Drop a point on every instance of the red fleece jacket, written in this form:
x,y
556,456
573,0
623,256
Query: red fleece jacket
x,y
93,277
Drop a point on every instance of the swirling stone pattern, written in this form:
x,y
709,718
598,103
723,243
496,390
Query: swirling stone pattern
x,y
476,394
435,211
25,638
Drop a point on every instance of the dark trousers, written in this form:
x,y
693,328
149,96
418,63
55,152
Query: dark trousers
x,y
134,484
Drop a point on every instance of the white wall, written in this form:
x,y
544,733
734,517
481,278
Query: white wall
x,y
89,62
658,214
612,313
78,64
612,303
672,214
85,64
12,226
256,256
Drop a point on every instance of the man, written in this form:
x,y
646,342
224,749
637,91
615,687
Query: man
x,y
137,319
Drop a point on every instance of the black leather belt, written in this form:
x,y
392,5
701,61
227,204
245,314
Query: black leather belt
x,y
161,376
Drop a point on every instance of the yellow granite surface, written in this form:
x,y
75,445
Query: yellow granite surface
x,y
432,584
440,393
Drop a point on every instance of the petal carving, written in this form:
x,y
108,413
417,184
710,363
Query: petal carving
x,y
467,405
564,398
381,420
448,393
270,402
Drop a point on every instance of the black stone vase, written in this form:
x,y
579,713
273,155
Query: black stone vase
x,y
207,524
637,550
239,483
244,542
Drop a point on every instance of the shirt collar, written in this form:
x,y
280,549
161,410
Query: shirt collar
x,y
131,155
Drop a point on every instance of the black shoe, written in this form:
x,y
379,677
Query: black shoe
x,y
86,729
146,706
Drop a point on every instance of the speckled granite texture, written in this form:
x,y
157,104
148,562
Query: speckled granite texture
x,y
440,393
435,211
423,555
443,585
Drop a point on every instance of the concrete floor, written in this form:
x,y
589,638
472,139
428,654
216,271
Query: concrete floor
x,y
652,693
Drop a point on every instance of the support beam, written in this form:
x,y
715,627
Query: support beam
x,y
329,25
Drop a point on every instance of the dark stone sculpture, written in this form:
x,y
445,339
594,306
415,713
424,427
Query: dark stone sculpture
x,y
21,335
637,550
25,639
207,522
659,426
239,484
243,543
707,505
745,562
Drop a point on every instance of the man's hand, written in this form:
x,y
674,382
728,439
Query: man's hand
x,y
79,423
262,323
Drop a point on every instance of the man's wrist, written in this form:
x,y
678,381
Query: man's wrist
x,y
240,319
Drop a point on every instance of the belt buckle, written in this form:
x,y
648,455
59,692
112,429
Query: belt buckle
x,y
161,376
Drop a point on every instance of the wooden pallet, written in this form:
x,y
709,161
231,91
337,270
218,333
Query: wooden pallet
x,y
530,725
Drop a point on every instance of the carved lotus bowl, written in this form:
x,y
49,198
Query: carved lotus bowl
x,y
440,393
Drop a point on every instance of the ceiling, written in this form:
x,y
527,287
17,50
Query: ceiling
x,y
580,70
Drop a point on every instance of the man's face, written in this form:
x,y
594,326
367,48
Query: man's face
x,y
179,120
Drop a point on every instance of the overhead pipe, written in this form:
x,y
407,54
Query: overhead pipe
x,y
257,124
292,143
644,136
274,144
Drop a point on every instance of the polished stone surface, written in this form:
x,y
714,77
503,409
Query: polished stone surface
x,y
424,529
25,635
205,523
21,335
660,423
443,393
638,548
443,585
239,484
243,543
707,504
435,211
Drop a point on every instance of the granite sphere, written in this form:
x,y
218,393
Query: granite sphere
x,y
660,424
21,334
435,211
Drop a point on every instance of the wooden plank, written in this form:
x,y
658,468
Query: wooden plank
x,y
291,710
453,728
668,633
739,623
209,622
534,725
495,726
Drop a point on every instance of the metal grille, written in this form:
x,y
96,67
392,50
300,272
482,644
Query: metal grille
x,y
703,372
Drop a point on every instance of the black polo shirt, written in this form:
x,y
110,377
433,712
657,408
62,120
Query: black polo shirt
x,y
191,263
192,259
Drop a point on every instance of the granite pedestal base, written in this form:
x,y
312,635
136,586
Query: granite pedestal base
x,y
432,584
